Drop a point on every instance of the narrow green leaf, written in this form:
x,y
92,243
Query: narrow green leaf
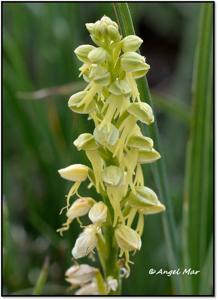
x,y
159,170
42,278
206,287
199,173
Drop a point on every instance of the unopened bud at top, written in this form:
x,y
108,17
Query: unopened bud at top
x,y
127,238
83,51
75,172
98,213
113,33
131,43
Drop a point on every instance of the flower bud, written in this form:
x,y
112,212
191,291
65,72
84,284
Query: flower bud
x,y
141,73
75,172
119,87
83,51
145,200
88,289
100,75
97,55
86,242
80,207
132,62
75,100
106,135
142,111
85,141
140,142
127,238
148,156
131,43
113,33
90,27
79,275
108,21
98,213
112,175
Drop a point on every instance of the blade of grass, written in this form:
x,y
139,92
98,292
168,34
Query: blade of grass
x,y
198,196
206,287
42,278
159,171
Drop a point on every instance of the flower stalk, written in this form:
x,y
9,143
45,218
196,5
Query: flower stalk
x,y
116,150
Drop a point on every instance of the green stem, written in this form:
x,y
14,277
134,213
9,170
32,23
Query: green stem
x,y
158,169
108,256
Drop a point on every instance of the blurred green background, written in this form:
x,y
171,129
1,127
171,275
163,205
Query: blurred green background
x,y
39,129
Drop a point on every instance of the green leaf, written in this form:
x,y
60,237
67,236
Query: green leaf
x,y
159,170
42,278
198,216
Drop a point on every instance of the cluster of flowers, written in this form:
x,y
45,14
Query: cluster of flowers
x,y
117,147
